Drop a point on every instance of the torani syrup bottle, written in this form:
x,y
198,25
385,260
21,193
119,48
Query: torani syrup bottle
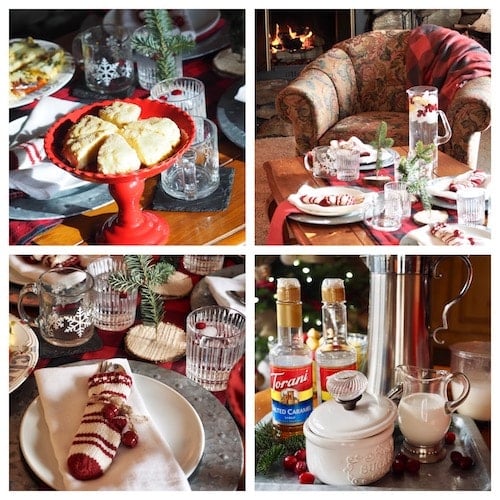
x,y
334,353
291,376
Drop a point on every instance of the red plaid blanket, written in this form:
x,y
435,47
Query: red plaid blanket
x,y
445,59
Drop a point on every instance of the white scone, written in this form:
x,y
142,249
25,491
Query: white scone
x,y
84,138
153,138
120,113
116,156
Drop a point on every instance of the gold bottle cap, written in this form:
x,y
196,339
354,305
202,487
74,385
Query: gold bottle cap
x,y
332,290
288,290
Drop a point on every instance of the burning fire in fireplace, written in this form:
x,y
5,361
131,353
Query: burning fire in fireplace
x,y
291,40
291,45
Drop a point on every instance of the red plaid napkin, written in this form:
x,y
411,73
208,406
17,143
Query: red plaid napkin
x,y
276,228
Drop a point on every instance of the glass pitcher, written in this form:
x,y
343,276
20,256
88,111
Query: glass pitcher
x,y
424,115
424,411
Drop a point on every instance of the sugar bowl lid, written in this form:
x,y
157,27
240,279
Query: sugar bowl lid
x,y
352,413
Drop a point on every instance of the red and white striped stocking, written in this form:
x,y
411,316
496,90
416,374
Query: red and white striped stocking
x,y
99,435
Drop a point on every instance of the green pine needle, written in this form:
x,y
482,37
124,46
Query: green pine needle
x,y
270,451
144,274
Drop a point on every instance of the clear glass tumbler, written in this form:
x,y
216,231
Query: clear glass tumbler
x,y
184,92
114,311
215,343
203,264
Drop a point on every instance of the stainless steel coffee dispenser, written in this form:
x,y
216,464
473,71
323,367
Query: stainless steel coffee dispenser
x,y
399,314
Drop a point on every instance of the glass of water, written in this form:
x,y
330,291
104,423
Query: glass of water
x,y
184,92
471,206
114,311
215,343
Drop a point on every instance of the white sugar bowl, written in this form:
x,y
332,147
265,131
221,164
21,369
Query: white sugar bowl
x,y
349,438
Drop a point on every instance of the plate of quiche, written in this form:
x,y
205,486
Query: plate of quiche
x,y
36,68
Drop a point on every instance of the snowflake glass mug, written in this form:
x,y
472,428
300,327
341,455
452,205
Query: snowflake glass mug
x,y
107,58
65,303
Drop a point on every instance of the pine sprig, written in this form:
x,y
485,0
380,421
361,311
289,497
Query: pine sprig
x,y
144,274
159,43
269,450
380,143
413,173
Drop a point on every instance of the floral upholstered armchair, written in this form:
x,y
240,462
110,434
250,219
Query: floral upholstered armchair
x,y
362,81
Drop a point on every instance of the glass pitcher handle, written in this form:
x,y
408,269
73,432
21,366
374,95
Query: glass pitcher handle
x,y
441,139
448,305
451,406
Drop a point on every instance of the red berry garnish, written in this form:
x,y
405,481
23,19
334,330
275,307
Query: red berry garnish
x,y
289,462
412,466
456,456
306,478
118,423
200,325
300,467
401,457
130,439
398,466
177,92
466,463
301,454
110,411
449,437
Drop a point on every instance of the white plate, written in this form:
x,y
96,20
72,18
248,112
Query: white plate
x,y
423,237
176,419
24,360
332,211
438,188
61,79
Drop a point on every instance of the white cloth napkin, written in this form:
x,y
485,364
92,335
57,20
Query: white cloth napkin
x,y
218,287
423,236
240,95
43,180
151,465
440,187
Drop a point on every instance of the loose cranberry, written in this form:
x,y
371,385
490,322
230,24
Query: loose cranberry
x,y
456,456
401,457
177,92
200,325
130,439
110,411
289,462
449,437
300,467
301,454
412,466
306,478
466,463
398,466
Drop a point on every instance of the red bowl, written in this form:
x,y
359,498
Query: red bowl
x,y
54,139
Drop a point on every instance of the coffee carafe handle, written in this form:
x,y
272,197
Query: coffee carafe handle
x,y
448,305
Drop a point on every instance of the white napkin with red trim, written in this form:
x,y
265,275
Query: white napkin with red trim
x,y
34,174
151,465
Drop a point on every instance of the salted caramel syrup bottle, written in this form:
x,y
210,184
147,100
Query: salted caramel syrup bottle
x,y
290,359
334,353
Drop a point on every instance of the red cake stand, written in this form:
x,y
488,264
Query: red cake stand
x,y
131,225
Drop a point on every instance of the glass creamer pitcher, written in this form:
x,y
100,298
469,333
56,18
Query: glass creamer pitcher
x,y
424,115
424,411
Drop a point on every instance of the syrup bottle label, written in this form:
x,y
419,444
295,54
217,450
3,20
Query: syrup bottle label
x,y
325,372
291,394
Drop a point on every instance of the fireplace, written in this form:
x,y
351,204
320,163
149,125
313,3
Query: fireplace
x,y
296,37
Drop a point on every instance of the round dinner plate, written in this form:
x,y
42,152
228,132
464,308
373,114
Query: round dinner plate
x,y
423,237
60,80
176,419
25,352
331,211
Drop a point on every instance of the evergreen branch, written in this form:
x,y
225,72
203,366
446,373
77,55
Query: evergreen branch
x,y
381,142
151,307
160,43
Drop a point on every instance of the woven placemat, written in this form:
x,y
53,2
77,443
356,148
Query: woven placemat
x,y
167,343
216,202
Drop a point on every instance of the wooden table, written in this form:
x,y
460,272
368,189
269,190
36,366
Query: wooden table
x,y
186,228
286,175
